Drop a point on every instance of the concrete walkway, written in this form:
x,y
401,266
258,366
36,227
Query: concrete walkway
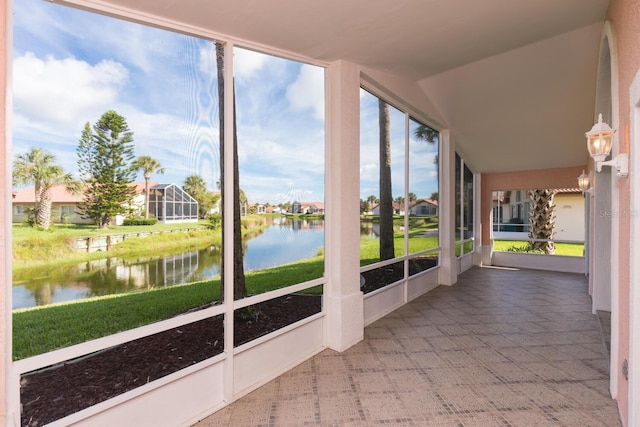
x,y
500,348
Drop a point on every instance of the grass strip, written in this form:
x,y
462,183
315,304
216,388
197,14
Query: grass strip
x,y
566,249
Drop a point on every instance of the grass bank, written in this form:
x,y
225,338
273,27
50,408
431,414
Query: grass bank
x,y
36,247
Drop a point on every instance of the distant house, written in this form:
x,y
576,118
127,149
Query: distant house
x,y
168,203
316,208
398,208
424,207
307,208
64,205
274,210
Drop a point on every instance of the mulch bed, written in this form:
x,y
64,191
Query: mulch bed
x,y
54,392
380,277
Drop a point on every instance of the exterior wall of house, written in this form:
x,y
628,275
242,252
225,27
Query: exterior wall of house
x,y
423,209
624,19
57,211
570,217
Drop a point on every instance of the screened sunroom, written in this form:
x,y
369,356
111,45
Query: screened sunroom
x,y
170,203
446,101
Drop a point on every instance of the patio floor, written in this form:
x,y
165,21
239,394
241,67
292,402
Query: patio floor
x,y
500,348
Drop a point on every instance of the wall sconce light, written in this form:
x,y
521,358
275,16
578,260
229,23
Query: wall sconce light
x,y
583,182
599,140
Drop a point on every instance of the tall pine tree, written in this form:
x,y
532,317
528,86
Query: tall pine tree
x,y
104,162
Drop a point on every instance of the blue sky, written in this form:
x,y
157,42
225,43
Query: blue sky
x,y
71,66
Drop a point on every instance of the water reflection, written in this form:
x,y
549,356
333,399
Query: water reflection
x,y
284,241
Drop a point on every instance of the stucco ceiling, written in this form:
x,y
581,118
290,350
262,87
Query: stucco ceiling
x,y
513,79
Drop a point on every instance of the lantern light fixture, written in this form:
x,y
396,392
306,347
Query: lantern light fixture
x,y
583,182
599,142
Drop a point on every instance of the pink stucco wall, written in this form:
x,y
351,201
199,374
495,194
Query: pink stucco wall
x,y
4,358
624,17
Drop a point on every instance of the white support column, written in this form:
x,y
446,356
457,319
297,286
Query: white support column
x,y
447,207
344,302
477,220
227,224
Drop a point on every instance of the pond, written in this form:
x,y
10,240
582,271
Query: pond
x,y
285,241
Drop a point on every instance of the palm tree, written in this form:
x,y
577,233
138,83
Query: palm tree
x,y
430,136
196,186
37,166
239,283
542,218
147,165
387,250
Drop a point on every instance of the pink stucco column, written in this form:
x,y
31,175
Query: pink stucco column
x,y
5,237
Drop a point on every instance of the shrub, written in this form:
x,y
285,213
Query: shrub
x,y
140,221
215,221
526,248
30,217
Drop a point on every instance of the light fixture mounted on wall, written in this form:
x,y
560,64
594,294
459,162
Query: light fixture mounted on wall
x,y
583,182
599,141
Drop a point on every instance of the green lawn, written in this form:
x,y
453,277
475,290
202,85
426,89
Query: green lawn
x,y
567,249
370,247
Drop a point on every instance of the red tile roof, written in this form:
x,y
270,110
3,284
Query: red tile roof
x,y
59,193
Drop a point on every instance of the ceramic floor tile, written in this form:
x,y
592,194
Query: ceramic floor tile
x,y
526,419
503,397
396,361
297,384
342,409
412,345
500,348
383,408
297,409
372,382
509,372
338,383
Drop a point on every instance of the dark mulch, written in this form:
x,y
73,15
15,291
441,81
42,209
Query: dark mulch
x,y
380,277
60,390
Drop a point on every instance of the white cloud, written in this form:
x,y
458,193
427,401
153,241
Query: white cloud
x,y
207,59
247,63
308,90
64,91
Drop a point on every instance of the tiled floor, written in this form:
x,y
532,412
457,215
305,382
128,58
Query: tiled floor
x,y
500,348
